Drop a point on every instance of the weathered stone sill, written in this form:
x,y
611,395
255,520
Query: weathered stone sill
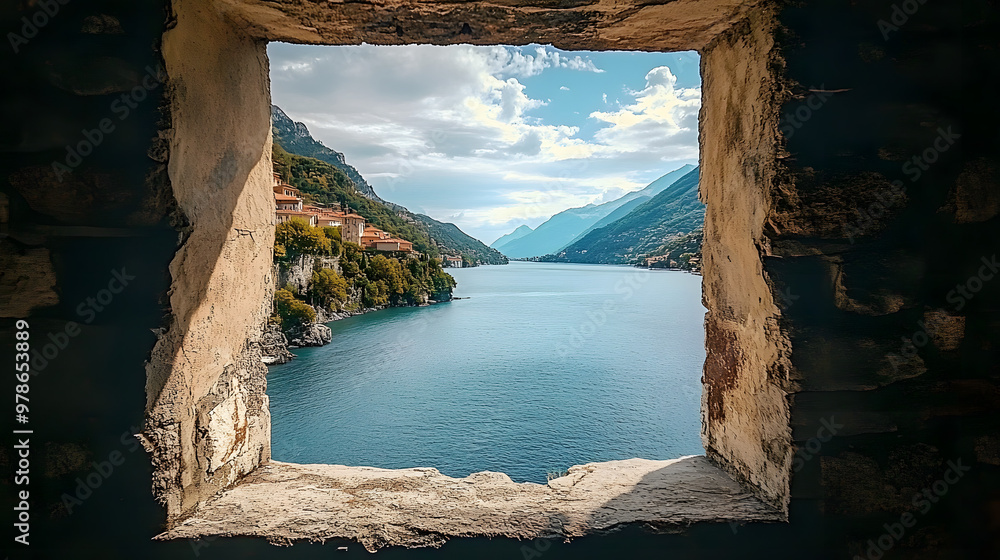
x,y
286,502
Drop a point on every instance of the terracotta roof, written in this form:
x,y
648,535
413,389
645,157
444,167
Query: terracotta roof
x,y
401,242
285,198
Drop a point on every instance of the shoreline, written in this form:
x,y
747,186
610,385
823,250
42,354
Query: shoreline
x,y
276,348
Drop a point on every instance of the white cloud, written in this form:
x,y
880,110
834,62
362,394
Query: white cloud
x,y
662,118
515,62
434,127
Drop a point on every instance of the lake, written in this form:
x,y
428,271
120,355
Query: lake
x,y
544,366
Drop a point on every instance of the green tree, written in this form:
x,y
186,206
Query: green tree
x,y
291,311
389,272
296,237
336,241
329,289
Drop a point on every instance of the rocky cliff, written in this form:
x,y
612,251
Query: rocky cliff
x,y
316,289
295,137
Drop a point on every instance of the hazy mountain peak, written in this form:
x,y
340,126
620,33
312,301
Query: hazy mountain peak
x,y
569,225
519,232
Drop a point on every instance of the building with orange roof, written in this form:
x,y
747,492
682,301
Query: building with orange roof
x,y
287,190
352,227
373,235
286,215
448,261
286,202
288,205
393,244
328,220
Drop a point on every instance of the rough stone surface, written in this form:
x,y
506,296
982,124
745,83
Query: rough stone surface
x,y
311,334
227,426
274,346
745,418
102,24
286,502
299,272
975,198
945,329
27,280
221,291
580,24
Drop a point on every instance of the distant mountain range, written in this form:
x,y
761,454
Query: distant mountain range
x,y
324,175
651,228
518,233
573,226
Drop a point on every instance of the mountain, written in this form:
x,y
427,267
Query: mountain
x,y
682,251
327,178
518,233
296,139
614,216
564,228
454,241
669,215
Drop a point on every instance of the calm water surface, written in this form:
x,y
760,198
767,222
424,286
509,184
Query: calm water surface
x,y
543,367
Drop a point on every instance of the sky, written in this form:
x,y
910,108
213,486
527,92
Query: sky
x,y
491,138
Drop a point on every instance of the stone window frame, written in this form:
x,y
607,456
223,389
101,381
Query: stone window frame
x,y
207,420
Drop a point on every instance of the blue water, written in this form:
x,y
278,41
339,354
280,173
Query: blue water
x,y
545,366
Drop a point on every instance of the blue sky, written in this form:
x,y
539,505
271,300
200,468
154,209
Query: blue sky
x,y
491,138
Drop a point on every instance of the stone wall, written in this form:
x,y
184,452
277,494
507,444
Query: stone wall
x,y
575,24
88,229
884,209
227,39
745,418
299,272
207,415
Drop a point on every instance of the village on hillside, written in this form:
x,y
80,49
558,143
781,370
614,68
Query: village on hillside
x,y
289,205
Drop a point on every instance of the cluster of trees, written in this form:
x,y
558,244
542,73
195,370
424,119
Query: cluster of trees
x,y
290,311
295,238
381,280
365,279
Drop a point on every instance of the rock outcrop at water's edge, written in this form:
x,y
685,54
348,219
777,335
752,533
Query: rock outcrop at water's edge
x,y
310,334
274,346
309,326
440,296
